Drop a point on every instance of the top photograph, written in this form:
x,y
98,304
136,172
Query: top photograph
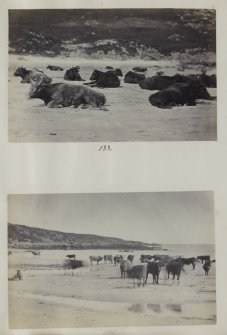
x,y
112,75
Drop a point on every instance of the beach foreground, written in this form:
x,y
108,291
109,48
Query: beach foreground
x,y
97,296
129,116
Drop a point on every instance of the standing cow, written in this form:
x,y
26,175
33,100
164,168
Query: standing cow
x,y
153,268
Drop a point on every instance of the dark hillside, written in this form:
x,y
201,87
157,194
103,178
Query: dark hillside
x,y
24,237
124,31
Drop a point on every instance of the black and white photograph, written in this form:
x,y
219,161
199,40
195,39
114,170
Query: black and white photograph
x,y
112,75
111,260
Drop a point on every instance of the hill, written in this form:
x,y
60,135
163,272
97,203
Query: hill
x,y
112,33
25,237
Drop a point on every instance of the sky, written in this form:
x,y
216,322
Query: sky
x,y
166,218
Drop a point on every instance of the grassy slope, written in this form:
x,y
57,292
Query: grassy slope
x,y
21,236
164,30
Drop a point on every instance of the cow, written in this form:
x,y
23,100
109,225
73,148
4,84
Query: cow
x,y
204,79
17,276
130,258
73,74
35,253
117,259
32,76
138,272
108,258
72,264
108,79
55,68
125,266
132,77
64,95
95,259
145,258
174,267
187,261
203,258
109,67
207,266
161,82
180,94
72,256
153,268
140,69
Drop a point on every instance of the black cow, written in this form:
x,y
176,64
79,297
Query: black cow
x,y
207,266
187,261
204,79
133,77
72,256
203,258
180,94
118,259
73,74
72,264
130,258
108,258
174,267
108,79
55,68
153,268
161,82
64,95
145,258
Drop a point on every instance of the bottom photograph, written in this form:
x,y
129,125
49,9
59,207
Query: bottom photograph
x,y
111,259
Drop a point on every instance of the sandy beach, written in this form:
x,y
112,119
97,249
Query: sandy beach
x,y
97,296
129,115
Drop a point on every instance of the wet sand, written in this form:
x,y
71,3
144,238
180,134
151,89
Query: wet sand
x,y
96,296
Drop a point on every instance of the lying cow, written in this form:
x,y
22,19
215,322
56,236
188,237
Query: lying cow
x,y
133,77
180,94
140,69
32,76
55,68
65,95
73,74
161,82
107,79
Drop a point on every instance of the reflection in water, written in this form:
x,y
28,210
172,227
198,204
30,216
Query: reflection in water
x,y
143,308
154,307
174,307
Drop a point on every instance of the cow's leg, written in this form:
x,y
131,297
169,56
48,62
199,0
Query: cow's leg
x,y
146,277
54,104
173,276
168,276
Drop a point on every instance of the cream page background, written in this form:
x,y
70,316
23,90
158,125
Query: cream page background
x,y
130,167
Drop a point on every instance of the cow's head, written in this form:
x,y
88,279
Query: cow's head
x,y
20,72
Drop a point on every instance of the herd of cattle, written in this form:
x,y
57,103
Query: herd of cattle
x,y
173,91
149,265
